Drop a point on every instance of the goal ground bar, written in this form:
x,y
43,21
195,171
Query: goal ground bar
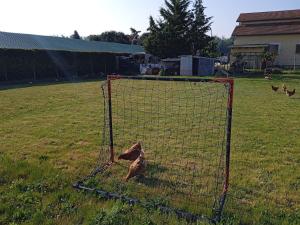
x,y
134,201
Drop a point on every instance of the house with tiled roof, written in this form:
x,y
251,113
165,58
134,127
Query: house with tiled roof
x,y
277,32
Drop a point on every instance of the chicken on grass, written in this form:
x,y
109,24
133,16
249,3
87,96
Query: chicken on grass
x,y
275,88
290,93
132,153
284,88
138,167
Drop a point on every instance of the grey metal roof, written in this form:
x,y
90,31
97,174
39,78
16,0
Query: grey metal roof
x,y
38,42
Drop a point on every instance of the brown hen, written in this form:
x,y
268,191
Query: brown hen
x,y
132,153
138,167
275,88
284,88
290,93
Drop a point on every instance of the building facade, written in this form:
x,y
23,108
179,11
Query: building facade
x,y
277,32
36,57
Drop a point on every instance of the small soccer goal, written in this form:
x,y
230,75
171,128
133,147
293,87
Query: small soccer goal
x,y
183,128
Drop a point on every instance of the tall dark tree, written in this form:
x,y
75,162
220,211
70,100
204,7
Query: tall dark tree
x,y
143,37
75,35
223,45
110,36
210,50
169,35
154,42
180,30
200,27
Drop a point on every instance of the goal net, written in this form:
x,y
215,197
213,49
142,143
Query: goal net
x,y
183,126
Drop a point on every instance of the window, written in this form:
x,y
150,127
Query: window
x,y
274,48
297,48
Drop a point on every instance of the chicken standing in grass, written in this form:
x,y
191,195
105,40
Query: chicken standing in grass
x,y
275,88
132,153
138,167
284,88
290,93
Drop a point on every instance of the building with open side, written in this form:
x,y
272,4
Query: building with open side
x,y
189,65
277,32
36,57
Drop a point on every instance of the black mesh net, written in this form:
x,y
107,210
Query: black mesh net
x,y
182,127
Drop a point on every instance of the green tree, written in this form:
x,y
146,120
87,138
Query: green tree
x,y
169,36
154,42
143,38
110,36
211,49
223,45
75,35
180,30
200,27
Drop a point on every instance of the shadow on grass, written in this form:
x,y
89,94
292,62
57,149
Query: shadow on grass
x,y
154,168
154,182
152,179
47,82
247,75
291,76
41,83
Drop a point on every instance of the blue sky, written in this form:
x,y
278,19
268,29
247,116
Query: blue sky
x,y
62,17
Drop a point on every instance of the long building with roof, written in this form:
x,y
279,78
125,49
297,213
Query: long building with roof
x,y
33,57
277,32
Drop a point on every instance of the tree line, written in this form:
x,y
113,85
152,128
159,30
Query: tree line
x,y
113,36
182,28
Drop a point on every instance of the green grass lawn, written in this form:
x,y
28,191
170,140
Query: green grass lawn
x,y
50,137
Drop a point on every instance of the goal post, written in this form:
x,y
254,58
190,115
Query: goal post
x,y
184,128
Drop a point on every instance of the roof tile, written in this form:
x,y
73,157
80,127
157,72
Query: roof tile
x,y
266,30
269,16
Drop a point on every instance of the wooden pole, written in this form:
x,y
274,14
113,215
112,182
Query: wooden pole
x,y
105,69
117,64
91,65
34,66
5,71
57,72
75,64
4,66
34,71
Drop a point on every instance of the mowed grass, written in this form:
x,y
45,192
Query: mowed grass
x,y
50,137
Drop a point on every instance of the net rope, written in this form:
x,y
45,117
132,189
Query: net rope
x,y
182,128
